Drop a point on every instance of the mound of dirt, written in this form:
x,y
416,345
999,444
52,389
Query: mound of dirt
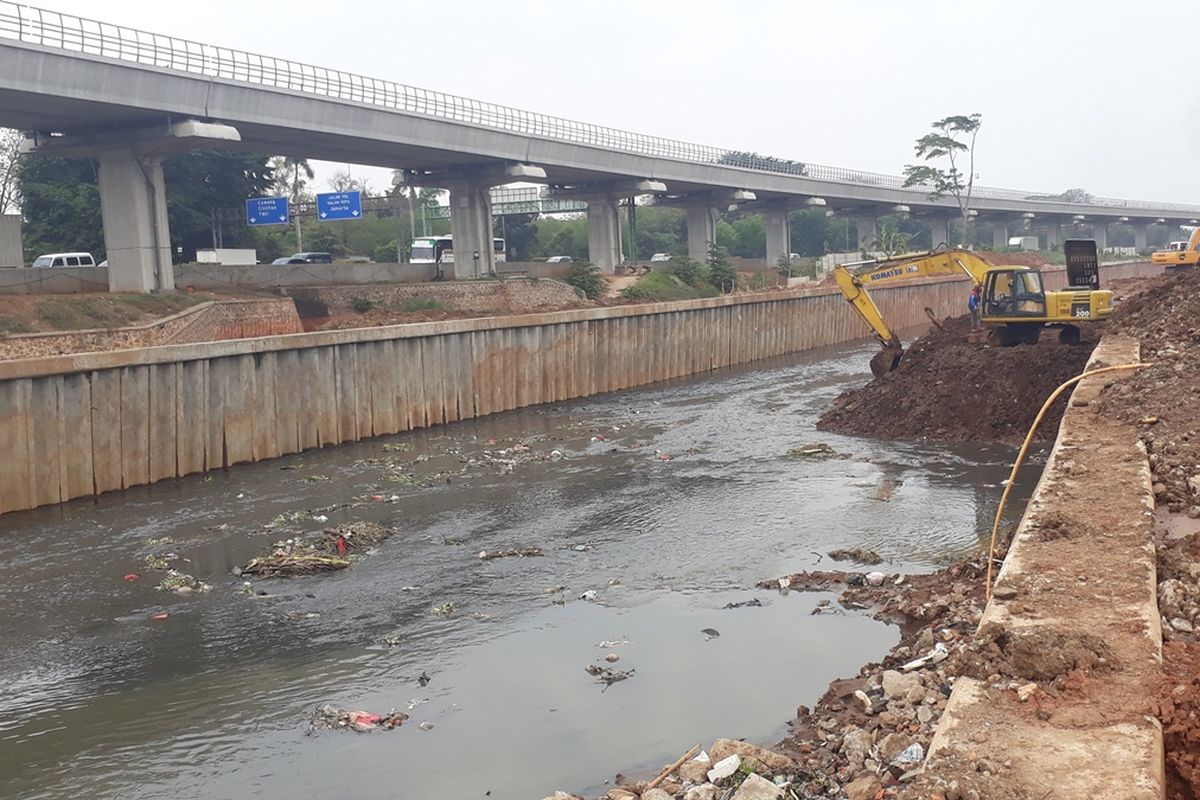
x,y
950,388
1164,398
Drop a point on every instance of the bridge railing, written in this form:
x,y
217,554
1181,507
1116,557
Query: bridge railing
x,y
79,34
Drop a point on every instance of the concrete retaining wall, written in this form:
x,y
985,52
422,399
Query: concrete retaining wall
x,y
59,280
82,424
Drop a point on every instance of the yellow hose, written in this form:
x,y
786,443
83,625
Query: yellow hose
x,y
1012,477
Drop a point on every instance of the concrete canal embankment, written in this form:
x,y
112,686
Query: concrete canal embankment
x,y
78,425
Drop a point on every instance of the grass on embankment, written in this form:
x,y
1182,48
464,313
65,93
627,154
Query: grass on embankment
x,y
662,286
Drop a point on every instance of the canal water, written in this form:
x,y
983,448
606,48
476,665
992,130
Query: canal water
x,y
668,502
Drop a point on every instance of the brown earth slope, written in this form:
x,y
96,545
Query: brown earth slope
x,y
950,388
1164,401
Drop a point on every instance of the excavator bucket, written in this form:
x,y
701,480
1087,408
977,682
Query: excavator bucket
x,y
887,359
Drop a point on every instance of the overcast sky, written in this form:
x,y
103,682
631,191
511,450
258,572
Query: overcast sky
x,y
1101,95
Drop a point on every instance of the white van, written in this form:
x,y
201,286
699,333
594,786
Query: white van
x,y
65,260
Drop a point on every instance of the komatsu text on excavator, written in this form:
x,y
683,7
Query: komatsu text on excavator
x,y
1015,303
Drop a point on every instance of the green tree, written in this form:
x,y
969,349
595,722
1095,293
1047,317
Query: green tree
x,y
721,273
661,230
890,239
751,237
61,205
10,156
951,141
586,278
520,235
688,270
202,184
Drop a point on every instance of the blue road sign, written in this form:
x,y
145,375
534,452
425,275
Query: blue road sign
x,y
267,211
339,205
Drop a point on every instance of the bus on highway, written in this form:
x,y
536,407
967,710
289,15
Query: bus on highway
x,y
440,250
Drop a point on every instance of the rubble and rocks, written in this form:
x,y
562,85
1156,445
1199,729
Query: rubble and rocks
x,y
923,397
332,549
866,732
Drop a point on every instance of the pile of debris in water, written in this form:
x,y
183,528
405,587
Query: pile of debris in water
x,y
332,718
332,549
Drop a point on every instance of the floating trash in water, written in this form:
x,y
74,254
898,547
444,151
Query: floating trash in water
x,y
426,726
607,675
710,633
755,603
330,717
423,679
515,552
590,594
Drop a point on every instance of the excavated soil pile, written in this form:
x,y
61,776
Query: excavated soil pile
x,y
950,388
1163,401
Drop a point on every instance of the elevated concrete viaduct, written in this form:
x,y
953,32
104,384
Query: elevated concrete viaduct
x,y
79,84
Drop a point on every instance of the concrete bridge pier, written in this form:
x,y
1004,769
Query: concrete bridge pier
x,y
939,231
779,234
999,234
701,230
471,227
1053,233
133,208
865,228
1141,233
604,232
1100,234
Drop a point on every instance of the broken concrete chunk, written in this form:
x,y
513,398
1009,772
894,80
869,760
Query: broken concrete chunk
x,y
897,684
757,758
756,787
705,791
865,787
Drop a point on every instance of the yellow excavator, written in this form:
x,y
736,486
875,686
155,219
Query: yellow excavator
x,y
1180,254
1013,300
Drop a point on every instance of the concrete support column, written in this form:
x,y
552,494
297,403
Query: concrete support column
x,y
940,230
701,231
471,227
133,208
1053,234
604,232
779,235
999,234
11,252
865,226
1100,234
1140,234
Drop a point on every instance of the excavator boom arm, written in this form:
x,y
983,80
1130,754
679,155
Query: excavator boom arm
x,y
853,285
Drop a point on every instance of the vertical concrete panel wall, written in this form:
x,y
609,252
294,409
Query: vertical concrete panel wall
x,y
77,425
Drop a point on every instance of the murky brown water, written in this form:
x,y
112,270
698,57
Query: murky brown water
x,y
101,701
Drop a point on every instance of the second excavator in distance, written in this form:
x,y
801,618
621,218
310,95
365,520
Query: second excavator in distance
x,y
1014,302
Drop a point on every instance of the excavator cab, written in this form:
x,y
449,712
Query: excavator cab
x,y
1013,293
